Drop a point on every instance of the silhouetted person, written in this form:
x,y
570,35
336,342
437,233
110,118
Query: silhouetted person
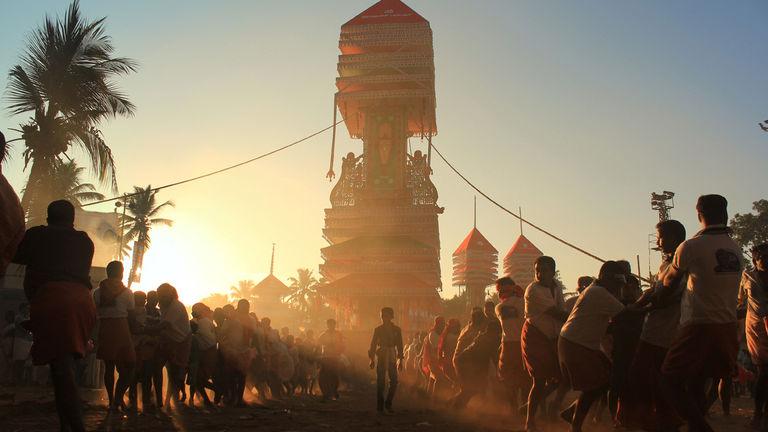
x,y
248,327
331,347
206,343
706,344
386,355
145,346
430,359
155,363
511,313
446,348
114,303
754,285
175,338
11,216
625,336
642,405
62,313
471,363
582,361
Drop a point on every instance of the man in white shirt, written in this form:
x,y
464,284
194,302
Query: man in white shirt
x,y
544,315
582,361
706,344
114,303
511,313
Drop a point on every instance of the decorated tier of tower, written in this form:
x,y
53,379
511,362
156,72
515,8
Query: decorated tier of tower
x,y
518,263
382,229
475,264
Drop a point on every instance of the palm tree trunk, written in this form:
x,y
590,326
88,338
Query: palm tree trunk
x,y
137,262
36,196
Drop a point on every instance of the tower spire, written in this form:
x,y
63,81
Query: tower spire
x,y
272,261
520,213
474,223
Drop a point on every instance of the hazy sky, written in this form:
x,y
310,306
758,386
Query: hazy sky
x,y
575,111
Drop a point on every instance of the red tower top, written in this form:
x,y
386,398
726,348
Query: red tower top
x,y
518,263
386,12
523,246
475,241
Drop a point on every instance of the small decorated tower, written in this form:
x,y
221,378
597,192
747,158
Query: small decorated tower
x,y
270,290
518,263
475,264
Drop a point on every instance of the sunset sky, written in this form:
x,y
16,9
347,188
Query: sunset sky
x,y
575,111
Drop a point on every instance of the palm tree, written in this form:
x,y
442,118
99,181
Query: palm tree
x,y
141,215
65,81
304,295
245,289
65,182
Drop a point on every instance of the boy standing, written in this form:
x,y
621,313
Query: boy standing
x,y
387,347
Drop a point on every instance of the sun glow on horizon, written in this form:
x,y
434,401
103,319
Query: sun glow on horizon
x,y
176,258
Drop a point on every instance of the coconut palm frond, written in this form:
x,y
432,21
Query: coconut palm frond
x,y
66,78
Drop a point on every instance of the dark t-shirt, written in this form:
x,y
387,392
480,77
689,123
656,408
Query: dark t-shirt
x,y
386,337
54,254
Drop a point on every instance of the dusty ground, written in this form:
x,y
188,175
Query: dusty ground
x,y
32,410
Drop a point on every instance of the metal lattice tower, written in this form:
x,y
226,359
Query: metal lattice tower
x,y
663,203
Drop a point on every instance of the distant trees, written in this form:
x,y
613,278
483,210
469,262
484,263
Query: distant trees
x,y
65,182
216,300
304,292
751,229
245,289
65,80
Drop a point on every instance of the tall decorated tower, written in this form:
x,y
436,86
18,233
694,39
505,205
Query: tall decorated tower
x,y
382,229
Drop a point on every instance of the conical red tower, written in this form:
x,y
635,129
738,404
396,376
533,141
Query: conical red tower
x,y
518,263
475,264
382,230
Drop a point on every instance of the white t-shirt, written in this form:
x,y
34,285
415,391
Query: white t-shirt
x,y
590,317
539,299
123,303
714,263
511,313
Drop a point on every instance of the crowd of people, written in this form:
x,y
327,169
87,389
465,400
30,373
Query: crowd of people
x,y
654,360
148,337
227,350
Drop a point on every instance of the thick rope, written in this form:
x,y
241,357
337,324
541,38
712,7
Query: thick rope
x,y
219,171
519,217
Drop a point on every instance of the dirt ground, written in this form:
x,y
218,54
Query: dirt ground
x,y
32,410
